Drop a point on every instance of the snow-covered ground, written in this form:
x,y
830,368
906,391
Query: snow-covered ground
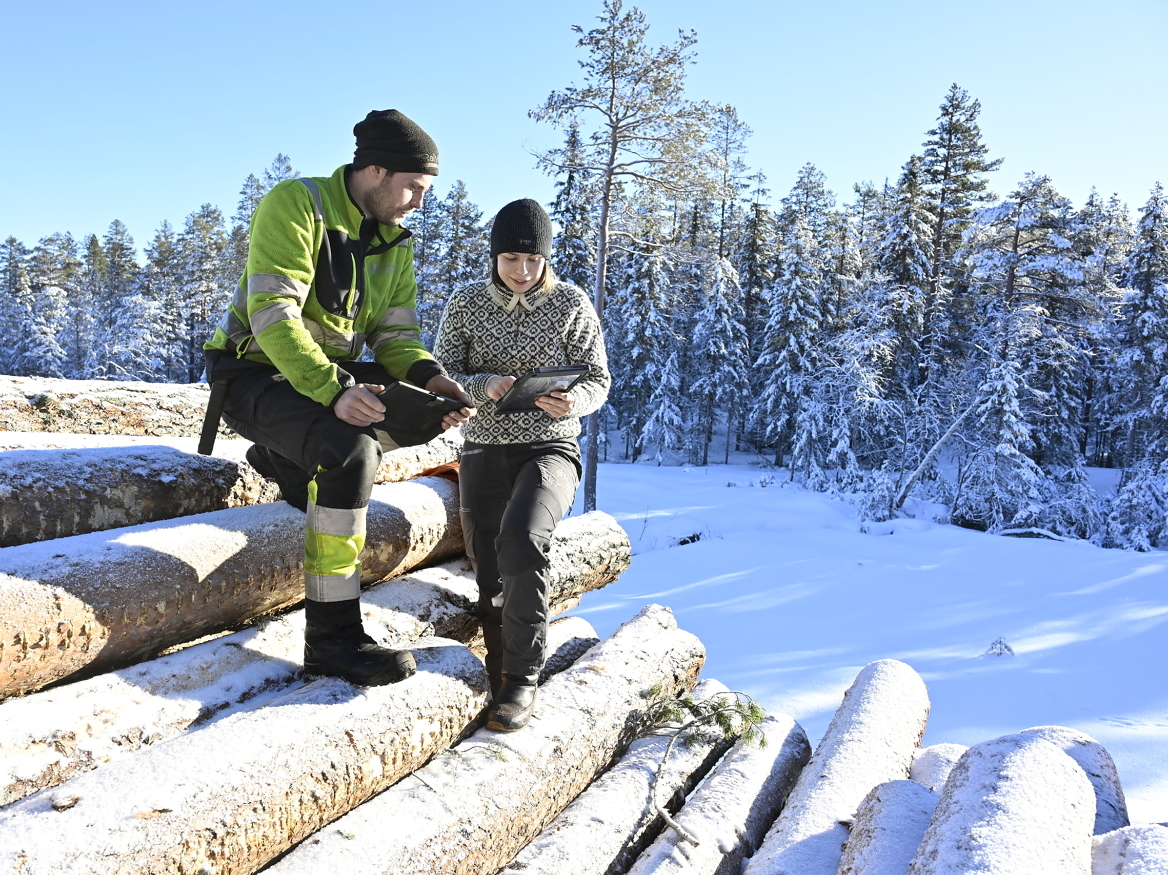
x,y
792,599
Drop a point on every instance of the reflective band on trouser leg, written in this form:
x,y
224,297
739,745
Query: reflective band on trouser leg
x,y
333,541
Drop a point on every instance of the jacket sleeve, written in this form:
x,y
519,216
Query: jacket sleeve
x,y
584,344
280,269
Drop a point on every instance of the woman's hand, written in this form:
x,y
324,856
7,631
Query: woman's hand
x,y
556,404
497,386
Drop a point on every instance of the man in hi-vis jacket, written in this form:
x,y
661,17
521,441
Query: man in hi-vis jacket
x,y
329,272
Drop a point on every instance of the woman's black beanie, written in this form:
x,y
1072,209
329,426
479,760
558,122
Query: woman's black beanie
x,y
522,226
388,138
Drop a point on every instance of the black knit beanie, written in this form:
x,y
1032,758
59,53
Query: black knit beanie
x,y
522,226
387,138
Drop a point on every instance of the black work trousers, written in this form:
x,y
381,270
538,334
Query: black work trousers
x,y
512,497
340,459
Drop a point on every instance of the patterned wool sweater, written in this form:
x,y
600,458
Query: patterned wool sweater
x,y
478,338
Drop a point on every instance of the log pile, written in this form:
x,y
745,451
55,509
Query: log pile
x,y
157,721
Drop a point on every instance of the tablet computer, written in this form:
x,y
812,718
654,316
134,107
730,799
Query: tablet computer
x,y
539,381
412,415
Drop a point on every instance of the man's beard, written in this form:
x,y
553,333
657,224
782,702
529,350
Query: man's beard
x,y
378,205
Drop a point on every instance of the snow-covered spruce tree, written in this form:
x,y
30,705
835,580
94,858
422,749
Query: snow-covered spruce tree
x,y
15,303
1030,277
84,312
1103,238
428,227
461,259
161,281
119,281
664,428
789,356
636,125
720,363
999,485
55,276
1143,362
1137,517
132,349
573,250
200,248
754,258
954,168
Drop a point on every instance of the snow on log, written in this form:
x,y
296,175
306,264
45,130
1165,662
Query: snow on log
x,y
228,798
472,808
731,811
1016,805
107,599
52,491
931,765
871,740
103,407
888,829
1096,762
47,737
607,826
1131,850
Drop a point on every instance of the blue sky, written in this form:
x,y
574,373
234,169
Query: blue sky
x,y
142,111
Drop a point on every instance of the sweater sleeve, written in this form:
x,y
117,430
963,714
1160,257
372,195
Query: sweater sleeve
x,y
584,344
452,348
280,270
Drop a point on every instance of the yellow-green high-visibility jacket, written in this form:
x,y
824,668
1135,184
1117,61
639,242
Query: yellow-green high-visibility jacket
x,y
321,283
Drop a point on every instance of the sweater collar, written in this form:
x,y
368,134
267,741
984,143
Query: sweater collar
x,y
513,303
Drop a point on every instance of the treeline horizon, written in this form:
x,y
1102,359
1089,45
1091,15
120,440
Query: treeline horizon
x,y
923,341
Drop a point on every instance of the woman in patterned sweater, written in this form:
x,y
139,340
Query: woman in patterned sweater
x,y
519,471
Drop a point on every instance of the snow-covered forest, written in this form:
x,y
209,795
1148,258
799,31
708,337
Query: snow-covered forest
x,y
922,336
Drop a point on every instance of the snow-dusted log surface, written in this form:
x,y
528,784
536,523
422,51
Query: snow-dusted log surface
x,y
108,599
47,737
472,808
931,765
610,823
217,801
1016,805
888,829
103,407
1131,850
870,740
731,811
48,490
1093,758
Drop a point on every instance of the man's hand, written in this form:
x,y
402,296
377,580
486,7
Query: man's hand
x,y
448,388
359,405
556,404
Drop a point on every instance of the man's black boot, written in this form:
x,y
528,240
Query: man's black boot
x,y
347,652
513,707
293,482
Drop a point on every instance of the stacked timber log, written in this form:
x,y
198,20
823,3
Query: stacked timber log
x,y
157,720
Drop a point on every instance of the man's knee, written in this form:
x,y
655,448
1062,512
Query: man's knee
x,y
347,469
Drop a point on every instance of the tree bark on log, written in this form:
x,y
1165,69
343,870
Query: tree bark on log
x,y
230,797
103,407
1131,850
108,599
606,827
1097,764
55,492
47,737
888,829
1016,805
472,808
732,810
871,740
931,765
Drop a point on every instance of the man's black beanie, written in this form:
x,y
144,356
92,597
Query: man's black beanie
x,y
522,226
387,138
